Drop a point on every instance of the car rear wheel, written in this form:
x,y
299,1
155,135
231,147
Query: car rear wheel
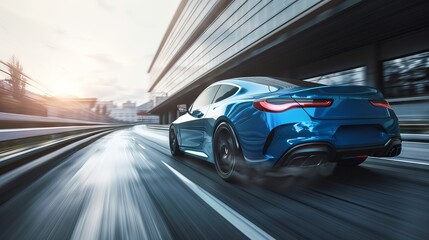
x,y
227,153
174,145
351,162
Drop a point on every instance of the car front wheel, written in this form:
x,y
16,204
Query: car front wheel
x,y
174,145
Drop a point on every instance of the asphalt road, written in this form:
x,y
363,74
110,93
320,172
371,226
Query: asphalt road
x,y
127,186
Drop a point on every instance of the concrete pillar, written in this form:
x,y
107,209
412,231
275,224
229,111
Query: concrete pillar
x,y
374,67
164,118
169,117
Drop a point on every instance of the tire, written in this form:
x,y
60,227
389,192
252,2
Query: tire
x,y
174,145
227,153
351,162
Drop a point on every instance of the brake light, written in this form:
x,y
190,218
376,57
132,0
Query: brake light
x,y
380,103
284,104
275,105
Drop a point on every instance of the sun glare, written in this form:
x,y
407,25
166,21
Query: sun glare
x,y
65,89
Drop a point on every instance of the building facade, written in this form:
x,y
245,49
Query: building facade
x,y
128,112
332,42
143,116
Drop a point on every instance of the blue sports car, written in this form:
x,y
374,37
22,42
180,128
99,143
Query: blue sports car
x,y
273,123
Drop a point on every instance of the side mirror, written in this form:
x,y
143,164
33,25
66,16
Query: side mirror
x,y
182,108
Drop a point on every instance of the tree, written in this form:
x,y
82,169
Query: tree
x,y
16,78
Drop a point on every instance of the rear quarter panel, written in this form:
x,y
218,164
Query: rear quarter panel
x,y
252,126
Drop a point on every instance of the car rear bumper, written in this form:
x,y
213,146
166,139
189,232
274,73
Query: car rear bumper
x,y
316,153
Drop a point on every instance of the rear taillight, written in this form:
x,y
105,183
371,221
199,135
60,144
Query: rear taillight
x,y
380,103
275,105
284,104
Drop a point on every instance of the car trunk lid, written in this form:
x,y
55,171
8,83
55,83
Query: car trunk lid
x,y
348,102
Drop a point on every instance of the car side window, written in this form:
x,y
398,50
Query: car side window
x,y
205,98
225,91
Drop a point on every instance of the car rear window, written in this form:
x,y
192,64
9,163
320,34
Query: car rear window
x,y
279,82
225,91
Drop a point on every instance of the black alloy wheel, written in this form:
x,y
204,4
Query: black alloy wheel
x,y
174,145
227,153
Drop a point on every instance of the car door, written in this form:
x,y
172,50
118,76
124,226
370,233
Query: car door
x,y
193,132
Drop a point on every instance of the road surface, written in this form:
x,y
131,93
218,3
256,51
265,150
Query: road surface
x,y
127,186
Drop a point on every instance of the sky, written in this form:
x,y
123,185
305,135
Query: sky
x,y
86,48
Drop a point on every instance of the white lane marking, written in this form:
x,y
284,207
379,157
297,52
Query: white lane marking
x,y
241,223
142,146
402,160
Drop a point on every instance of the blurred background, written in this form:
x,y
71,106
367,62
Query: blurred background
x,y
333,43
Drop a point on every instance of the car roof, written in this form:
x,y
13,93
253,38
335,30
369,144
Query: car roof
x,y
269,81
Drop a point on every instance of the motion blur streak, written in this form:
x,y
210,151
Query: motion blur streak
x,y
111,184
98,193
244,225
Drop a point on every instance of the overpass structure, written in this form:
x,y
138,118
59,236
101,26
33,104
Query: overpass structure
x,y
382,43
